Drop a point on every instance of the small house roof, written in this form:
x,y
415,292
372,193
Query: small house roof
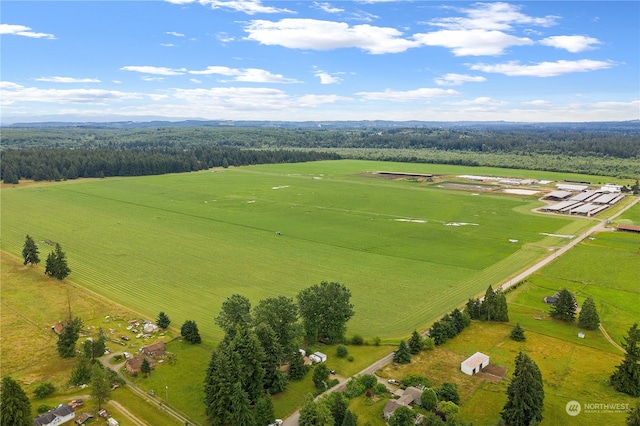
x,y
414,393
50,416
155,347
475,360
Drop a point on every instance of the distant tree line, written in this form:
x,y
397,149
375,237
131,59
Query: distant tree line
x,y
42,153
54,164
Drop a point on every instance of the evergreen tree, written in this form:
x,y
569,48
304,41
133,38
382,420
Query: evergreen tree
x,y
30,251
626,378
338,404
439,333
189,332
461,320
588,318
320,376
350,419
415,343
225,400
100,386
274,380
565,307
429,399
488,305
525,394
249,358
15,408
56,265
297,369
473,308
163,321
68,337
264,411
500,310
402,355
314,413
145,367
517,333
81,373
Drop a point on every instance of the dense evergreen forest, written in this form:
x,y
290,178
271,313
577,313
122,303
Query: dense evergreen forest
x,y
53,153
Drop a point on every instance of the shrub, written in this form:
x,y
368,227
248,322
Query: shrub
x,y
44,390
43,408
414,379
354,388
357,340
429,399
428,344
350,358
448,392
342,351
380,389
376,341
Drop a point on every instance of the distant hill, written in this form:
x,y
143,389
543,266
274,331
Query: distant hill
x,y
632,126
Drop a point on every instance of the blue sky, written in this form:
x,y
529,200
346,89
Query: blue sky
x,y
320,60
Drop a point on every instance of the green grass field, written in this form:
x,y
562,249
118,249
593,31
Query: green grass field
x,y
184,243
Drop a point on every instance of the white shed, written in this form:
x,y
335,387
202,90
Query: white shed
x,y
474,363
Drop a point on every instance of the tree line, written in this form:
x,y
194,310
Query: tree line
x,y
55,164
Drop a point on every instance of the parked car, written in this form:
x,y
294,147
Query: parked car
x,y
123,337
394,382
278,422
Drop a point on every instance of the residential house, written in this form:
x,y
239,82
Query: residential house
x,y
132,366
57,416
155,350
411,395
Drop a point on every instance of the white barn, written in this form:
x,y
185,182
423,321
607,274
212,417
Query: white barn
x,y
474,364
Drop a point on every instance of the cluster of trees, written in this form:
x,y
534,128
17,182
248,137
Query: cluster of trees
x,y
55,164
449,326
245,367
416,344
564,309
56,265
492,307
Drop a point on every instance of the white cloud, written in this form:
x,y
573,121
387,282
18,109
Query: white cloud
x,y
327,35
154,70
167,45
224,37
247,75
68,80
482,101
409,95
195,80
492,16
21,30
12,93
250,7
326,78
537,102
327,8
173,33
573,44
453,79
543,69
472,42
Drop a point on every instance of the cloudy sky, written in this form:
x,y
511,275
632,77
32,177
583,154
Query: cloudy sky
x,y
320,60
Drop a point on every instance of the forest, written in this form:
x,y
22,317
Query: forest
x,y
59,152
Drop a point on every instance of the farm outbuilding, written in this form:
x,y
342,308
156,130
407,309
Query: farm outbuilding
x,y
474,364
318,357
629,228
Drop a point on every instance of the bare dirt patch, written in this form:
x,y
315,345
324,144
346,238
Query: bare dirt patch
x,y
492,373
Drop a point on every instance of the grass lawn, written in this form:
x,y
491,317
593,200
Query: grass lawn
x,y
184,243
570,372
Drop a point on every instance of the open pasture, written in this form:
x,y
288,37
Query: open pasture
x,y
184,243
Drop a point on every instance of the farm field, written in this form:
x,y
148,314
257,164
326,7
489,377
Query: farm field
x,y
184,243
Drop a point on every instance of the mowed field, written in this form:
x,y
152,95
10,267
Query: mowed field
x,y
184,243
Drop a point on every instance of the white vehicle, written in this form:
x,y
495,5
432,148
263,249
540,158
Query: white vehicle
x,y
127,355
278,422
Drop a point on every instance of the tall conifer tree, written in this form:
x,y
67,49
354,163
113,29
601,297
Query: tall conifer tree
x,y
525,394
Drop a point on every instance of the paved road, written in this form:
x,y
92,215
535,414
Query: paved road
x,y
292,420
181,418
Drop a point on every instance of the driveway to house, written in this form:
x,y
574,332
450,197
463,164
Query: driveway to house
x,y
172,412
